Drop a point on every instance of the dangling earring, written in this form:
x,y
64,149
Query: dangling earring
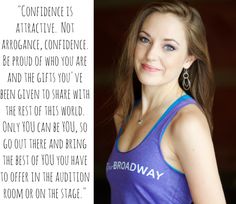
x,y
186,82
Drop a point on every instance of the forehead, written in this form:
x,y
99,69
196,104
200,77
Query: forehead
x,y
165,25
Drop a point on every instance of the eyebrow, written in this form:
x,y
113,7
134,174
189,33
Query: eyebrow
x,y
146,33
170,39
166,39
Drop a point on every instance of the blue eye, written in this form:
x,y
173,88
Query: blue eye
x,y
143,39
169,48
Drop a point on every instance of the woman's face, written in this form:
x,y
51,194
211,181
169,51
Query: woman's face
x,y
161,50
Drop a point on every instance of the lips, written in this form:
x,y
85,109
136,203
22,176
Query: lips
x,y
150,68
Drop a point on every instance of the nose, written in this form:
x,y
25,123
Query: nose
x,y
152,53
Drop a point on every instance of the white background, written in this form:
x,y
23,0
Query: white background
x,y
82,18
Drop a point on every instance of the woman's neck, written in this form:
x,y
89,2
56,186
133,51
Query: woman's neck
x,y
154,97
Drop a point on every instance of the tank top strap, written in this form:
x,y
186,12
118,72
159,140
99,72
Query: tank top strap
x,y
167,115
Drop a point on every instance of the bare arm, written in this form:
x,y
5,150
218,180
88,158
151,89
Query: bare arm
x,y
194,148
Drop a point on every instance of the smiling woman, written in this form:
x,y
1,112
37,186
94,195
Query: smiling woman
x,y
165,133
161,50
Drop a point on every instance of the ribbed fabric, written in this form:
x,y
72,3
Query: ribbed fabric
x,y
142,175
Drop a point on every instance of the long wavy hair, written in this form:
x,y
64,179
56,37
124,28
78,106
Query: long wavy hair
x,y
201,76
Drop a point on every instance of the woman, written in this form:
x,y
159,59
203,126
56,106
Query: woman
x,y
164,152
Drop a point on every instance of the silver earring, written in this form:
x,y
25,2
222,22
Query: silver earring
x,y
186,82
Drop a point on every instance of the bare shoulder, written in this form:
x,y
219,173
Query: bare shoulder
x,y
191,138
190,124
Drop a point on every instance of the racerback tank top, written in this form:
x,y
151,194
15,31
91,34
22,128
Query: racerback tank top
x,y
142,175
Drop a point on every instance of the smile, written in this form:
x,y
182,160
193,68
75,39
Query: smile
x,y
150,68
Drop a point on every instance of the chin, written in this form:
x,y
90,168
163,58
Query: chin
x,y
148,80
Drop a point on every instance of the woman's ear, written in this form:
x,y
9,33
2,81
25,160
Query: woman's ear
x,y
189,60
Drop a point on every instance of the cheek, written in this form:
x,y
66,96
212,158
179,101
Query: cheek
x,y
139,52
173,62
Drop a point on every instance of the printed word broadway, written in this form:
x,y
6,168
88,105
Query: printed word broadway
x,y
134,167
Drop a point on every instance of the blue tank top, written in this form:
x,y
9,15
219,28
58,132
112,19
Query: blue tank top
x,y
142,175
